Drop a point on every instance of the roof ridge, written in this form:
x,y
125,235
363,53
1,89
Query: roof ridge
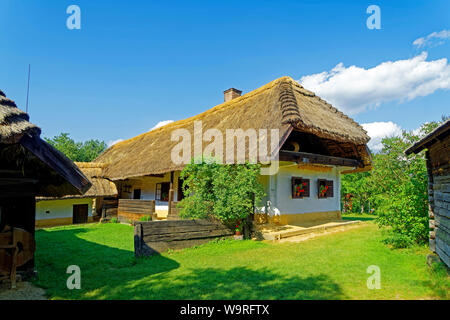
x,y
216,108
311,94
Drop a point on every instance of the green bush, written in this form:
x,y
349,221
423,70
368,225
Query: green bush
x,y
397,240
146,218
227,192
114,220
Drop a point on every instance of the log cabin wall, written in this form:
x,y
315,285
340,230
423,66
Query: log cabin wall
x,y
438,166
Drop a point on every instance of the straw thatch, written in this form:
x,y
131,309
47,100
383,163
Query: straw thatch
x,y
23,154
14,122
101,187
281,104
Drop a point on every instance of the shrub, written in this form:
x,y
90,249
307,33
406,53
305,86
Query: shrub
x,y
114,220
224,192
397,240
146,218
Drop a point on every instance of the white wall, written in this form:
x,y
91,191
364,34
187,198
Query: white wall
x,y
278,190
60,208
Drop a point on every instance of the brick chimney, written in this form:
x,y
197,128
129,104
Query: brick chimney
x,y
231,93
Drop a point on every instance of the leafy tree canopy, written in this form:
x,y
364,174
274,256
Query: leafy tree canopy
x,y
395,188
77,151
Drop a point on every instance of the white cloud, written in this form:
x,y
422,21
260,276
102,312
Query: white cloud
x,y
113,142
161,124
379,130
433,39
355,89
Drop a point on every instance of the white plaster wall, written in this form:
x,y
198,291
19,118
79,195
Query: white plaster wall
x,y
60,208
278,190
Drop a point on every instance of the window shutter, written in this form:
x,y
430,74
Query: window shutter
x,y
320,182
330,188
295,181
307,187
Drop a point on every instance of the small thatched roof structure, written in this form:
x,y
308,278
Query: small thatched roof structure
x,y
23,154
281,104
101,187
14,122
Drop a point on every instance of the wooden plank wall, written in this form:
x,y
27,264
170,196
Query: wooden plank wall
x,y
109,208
159,236
133,210
438,165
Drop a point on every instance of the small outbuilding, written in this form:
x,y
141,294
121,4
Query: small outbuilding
x,y
437,145
29,167
76,208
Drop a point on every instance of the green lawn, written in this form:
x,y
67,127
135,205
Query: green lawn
x,y
328,267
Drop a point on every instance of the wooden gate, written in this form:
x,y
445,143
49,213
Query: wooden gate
x,y
159,236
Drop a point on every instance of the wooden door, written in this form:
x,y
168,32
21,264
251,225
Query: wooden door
x,y
80,213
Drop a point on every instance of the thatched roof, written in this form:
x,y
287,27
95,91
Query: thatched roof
x,y
437,134
23,154
101,187
14,122
281,104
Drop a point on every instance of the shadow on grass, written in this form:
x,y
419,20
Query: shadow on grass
x,y
108,272
353,218
102,266
235,283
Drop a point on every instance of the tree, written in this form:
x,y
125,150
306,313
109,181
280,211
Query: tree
x,y
77,151
396,187
224,192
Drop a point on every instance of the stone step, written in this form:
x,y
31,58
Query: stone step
x,y
297,231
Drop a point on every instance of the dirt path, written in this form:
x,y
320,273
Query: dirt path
x,y
24,291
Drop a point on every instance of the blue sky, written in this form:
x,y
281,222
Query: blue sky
x,y
134,64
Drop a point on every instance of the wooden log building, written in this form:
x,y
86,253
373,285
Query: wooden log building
x,y
29,167
437,145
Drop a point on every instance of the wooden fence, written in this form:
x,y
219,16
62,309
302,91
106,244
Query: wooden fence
x,y
133,210
158,236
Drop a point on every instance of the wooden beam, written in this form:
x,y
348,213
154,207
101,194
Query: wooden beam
x,y
318,158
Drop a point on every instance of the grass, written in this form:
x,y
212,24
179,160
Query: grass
x,y
328,267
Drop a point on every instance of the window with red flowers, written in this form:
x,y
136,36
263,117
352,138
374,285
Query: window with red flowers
x,y
325,188
300,187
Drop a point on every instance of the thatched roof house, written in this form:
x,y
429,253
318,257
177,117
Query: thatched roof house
x,y
315,144
78,208
281,104
101,187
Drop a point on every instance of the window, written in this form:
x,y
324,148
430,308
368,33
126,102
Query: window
x,y
137,194
325,188
162,191
300,187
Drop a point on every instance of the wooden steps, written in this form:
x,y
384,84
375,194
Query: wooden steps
x,y
293,231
